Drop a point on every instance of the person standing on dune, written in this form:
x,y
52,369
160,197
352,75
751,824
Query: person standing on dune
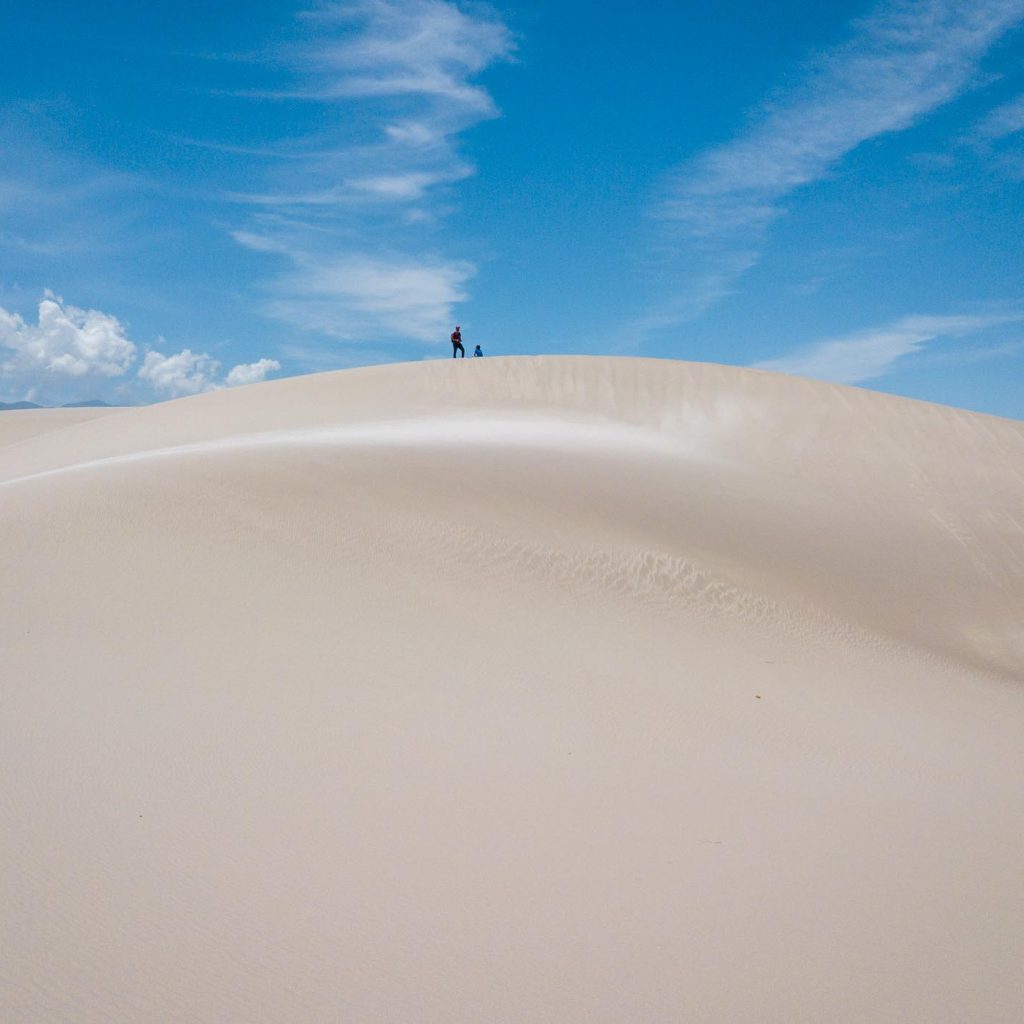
x,y
457,342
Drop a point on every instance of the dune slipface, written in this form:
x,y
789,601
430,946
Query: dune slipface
x,y
519,689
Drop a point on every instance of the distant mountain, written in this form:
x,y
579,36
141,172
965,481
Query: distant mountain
x,y
89,403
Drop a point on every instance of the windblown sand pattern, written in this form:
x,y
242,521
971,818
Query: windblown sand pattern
x,y
513,690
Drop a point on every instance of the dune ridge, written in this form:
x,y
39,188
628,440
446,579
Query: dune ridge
x,y
821,442
526,688
28,423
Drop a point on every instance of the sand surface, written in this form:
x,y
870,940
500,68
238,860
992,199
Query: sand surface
x,y
513,690
24,423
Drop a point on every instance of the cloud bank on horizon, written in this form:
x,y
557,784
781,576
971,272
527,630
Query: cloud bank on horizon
x,y
87,346
279,190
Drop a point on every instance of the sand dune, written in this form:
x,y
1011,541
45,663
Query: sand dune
x,y
519,689
33,422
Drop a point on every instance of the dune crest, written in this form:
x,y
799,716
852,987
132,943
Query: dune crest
x,y
830,496
533,689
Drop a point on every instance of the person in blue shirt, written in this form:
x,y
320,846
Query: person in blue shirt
x,y
478,351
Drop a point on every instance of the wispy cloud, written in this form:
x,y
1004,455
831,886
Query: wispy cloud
x,y
350,225
902,61
979,354
418,48
1006,119
364,296
55,201
867,355
358,194
318,358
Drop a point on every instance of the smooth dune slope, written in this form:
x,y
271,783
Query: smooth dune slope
x,y
514,689
18,424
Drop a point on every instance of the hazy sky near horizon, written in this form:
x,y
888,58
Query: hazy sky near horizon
x,y
203,197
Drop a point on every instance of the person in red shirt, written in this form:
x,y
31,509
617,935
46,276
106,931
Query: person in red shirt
x,y
457,342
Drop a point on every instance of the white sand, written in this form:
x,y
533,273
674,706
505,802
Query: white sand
x,y
513,690
23,423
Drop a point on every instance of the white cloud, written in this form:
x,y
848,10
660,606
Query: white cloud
x,y
406,70
259,243
1007,119
185,373
66,341
407,67
251,373
414,133
409,47
904,60
366,298
76,353
191,373
408,185
869,354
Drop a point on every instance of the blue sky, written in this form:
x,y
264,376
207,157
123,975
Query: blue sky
x,y
197,197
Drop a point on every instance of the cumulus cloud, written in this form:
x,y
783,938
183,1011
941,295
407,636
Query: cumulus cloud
x,y
73,352
191,373
65,341
902,61
251,373
866,355
185,373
